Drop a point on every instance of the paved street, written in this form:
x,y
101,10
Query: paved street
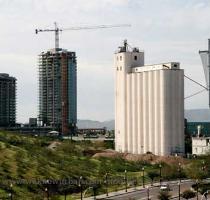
x,y
142,193
153,192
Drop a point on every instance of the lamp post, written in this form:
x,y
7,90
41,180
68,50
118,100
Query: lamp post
x,y
148,193
10,194
94,192
179,185
47,193
197,189
65,195
203,165
80,185
160,167
126,181
179,170
135,183
106,182
143,177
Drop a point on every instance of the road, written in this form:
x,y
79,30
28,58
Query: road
x,y
142,193
81,138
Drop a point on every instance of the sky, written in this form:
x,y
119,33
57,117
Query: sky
x,y
167,30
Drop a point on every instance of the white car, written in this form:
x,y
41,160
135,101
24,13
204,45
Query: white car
x,y
165,187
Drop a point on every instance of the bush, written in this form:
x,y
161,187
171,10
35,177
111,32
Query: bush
x,y
188,194
164,195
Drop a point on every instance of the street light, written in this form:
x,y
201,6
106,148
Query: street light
x,y
10,194
135,183
203,165
80,185
65,195
106,182
179,170
179,185
143,177
197,188
47,193
94,192
148,193
160,167
126,181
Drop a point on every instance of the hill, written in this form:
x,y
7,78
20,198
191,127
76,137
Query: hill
x,y
198,115
32,164
95,124
194,115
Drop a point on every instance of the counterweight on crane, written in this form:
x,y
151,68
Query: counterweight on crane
x,y
58,30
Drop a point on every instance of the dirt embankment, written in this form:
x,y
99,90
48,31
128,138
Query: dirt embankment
x,y
149,158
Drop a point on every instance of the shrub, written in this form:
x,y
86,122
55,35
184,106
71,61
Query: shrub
x,y
188,194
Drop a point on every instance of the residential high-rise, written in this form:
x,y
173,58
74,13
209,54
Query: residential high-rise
x,y
7,100
149,105
58,90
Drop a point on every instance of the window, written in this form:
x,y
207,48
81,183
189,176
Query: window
x,y
135,57
120,68
120,57
117,69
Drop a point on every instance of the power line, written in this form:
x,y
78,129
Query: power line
x,y
196,82
192,95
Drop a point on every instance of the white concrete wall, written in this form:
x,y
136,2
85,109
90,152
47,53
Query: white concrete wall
x,y
149,107
200,146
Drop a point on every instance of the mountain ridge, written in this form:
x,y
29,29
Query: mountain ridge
x,y
192,115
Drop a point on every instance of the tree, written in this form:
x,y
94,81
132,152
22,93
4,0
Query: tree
x,y
164,195
188,194
194,171
152,175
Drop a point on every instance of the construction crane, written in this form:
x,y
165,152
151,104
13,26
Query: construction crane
x,y
58,30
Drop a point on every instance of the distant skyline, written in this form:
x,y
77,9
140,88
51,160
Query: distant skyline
x,y
167,30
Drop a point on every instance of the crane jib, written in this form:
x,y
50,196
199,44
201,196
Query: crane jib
x,y
57,30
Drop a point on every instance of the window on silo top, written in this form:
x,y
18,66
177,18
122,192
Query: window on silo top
x,y
135,58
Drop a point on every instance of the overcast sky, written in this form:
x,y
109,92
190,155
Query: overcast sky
x,y
167,30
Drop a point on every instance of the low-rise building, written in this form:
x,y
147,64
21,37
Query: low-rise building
x,y
200,145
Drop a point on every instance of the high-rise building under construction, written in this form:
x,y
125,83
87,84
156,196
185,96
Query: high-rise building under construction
x,y
7,100
58,90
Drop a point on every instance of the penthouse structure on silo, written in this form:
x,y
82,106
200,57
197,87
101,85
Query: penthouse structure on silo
x,y
7,100
149,105
58,90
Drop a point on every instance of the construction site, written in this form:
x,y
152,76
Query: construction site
x,y
58,90
58,84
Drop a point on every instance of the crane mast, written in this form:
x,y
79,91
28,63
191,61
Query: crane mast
x,y
57,30
56,36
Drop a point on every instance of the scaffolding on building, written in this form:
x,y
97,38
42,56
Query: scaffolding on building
x,y
57,90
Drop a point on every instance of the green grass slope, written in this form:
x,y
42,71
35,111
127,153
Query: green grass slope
x,y
31,166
